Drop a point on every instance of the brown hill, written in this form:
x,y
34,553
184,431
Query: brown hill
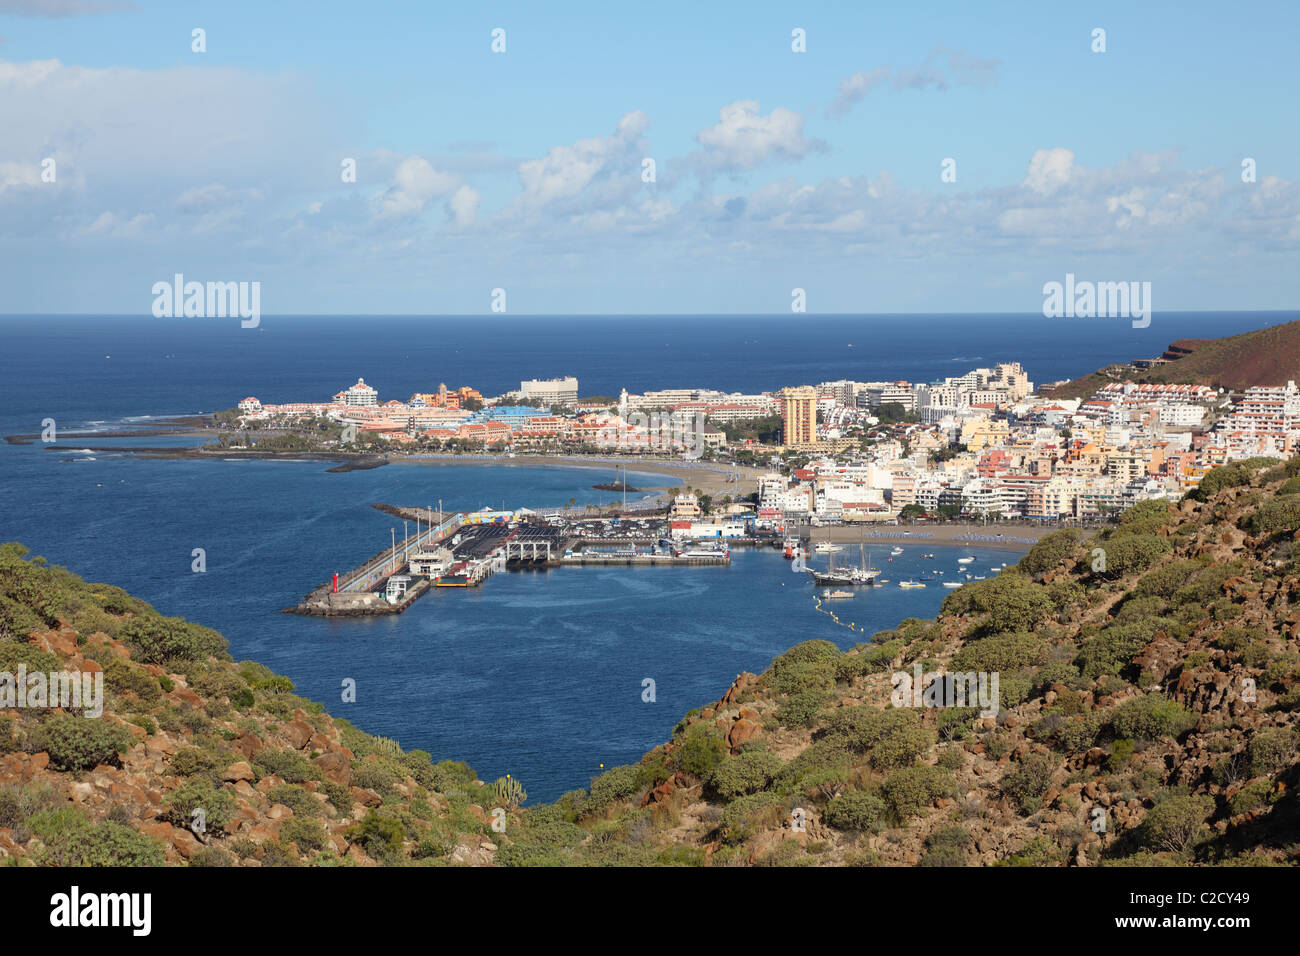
x,y
1146,711
1268,356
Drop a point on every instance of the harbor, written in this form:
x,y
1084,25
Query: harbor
x,y
464,549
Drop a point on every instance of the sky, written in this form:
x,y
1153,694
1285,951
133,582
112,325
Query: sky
x,y
938,157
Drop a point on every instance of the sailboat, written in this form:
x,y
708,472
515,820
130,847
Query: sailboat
x,y
861,576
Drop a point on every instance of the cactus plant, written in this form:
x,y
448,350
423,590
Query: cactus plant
x,y
509,792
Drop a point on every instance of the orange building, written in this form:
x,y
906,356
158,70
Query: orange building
x,y
447,398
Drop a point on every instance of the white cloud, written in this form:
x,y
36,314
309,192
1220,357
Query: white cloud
x,y
463,206
596,173
61,8
1049,169
109,225
415,184
941,69
743,138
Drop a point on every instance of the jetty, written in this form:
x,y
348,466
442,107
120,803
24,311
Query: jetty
x,y
464,549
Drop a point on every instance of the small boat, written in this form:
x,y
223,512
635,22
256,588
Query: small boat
x,y
965,560
837,595
979,577
896,551
952,584
930,556
910,584
825,547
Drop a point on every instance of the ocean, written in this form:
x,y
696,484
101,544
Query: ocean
x,y
539,674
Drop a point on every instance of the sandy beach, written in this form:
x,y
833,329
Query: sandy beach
x,y
710,478
1003,538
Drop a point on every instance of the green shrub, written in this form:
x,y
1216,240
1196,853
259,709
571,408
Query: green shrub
x,y
1132,553
159,640
298,799
198,793
1270,750
743,817
1005,652
946,847
617,783
800,710
69,838
856,810
1151,717
79,743
700,750
289,765
189,761
1010,602
379,835
1277,516
1114,647
307,834
1175,824
212,856
747,773
1031,779
1219,479
1050,552
909,791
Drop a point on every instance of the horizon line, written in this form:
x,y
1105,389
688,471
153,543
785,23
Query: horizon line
x,y
621,315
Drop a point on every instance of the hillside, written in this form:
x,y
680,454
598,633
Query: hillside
x,y
1148,700
1263,357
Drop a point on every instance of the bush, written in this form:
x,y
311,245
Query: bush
x,y
159,640
747,773
70,838
856,810
1174,824
1151,717
1114,647
189,761
909,791
1278,516
1026,784
1218,479
212,856
946,847
1270,750
289,765
197,793
1050,552
380,836
700,751
307,834
745,816
1132,553
1010,602
79,743
800,710
298,799
617,783
1006,652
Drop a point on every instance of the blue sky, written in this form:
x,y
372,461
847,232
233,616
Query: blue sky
x,y
522,170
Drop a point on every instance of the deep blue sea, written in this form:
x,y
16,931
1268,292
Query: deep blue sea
x,y
535,674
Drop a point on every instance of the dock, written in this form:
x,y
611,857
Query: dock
x,y
463,550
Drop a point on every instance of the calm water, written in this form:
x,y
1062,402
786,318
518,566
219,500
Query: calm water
x,y
536,674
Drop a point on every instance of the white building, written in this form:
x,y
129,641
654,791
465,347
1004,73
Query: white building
x,y
359,394
550,391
